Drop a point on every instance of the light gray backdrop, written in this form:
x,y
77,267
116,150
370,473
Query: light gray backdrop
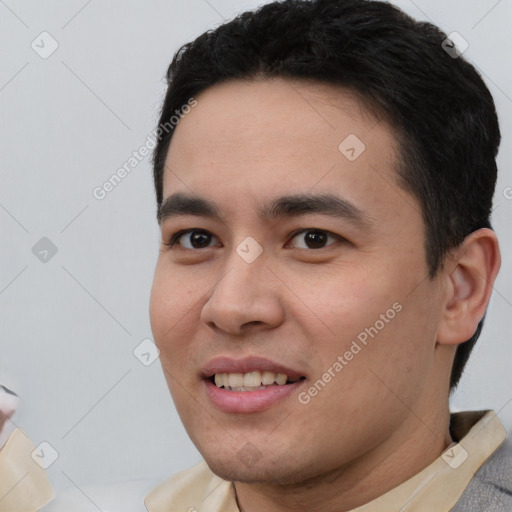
x,y
70,321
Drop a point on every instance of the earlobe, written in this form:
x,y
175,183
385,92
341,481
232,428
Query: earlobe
x,y
472,271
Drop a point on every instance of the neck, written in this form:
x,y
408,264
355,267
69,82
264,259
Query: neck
x,y
360,481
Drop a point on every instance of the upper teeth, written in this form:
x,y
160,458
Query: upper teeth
x,y
256,380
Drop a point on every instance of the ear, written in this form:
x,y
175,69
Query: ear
x,y
470,272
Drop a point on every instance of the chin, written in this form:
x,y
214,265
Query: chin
x,y
241,468
238,473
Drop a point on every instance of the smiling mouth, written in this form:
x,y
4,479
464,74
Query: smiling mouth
x,y
251,381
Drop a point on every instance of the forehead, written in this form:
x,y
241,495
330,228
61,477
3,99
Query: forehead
x,y
264,138
258,116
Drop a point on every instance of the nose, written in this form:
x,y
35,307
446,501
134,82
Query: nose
x,y
246,297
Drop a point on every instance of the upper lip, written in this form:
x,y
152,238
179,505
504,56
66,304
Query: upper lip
x,y
224,364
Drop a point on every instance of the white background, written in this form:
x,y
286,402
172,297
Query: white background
x,y
69,326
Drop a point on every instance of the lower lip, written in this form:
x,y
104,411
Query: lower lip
x,y
249,401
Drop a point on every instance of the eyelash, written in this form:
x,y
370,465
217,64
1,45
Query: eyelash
x,y
176,237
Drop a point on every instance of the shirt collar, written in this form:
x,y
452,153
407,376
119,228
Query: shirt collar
x,y
437,487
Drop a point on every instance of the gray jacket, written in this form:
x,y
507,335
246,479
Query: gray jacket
x,y
490,490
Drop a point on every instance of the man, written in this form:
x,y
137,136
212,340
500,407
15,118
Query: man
x,y
326,264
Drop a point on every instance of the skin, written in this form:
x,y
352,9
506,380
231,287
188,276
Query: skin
x,y
385,416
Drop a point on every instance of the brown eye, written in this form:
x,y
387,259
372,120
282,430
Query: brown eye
x,y
314,239
192,239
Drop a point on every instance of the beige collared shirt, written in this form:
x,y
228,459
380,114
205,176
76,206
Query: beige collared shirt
x,y
437,488
24,486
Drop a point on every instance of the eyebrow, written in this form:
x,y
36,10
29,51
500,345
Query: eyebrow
x,y
180,204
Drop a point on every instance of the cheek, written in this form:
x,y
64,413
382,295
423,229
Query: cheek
x,y
374,319
171,302
345,301
171,316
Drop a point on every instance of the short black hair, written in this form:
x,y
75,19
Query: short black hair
x,y
438,103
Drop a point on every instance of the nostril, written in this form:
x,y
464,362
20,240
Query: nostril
x,y
253,322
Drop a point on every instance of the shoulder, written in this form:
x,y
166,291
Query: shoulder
x,y
186,491
192,489
127,496
491,487
24,484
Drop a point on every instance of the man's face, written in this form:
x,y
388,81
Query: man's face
x,y
332,294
